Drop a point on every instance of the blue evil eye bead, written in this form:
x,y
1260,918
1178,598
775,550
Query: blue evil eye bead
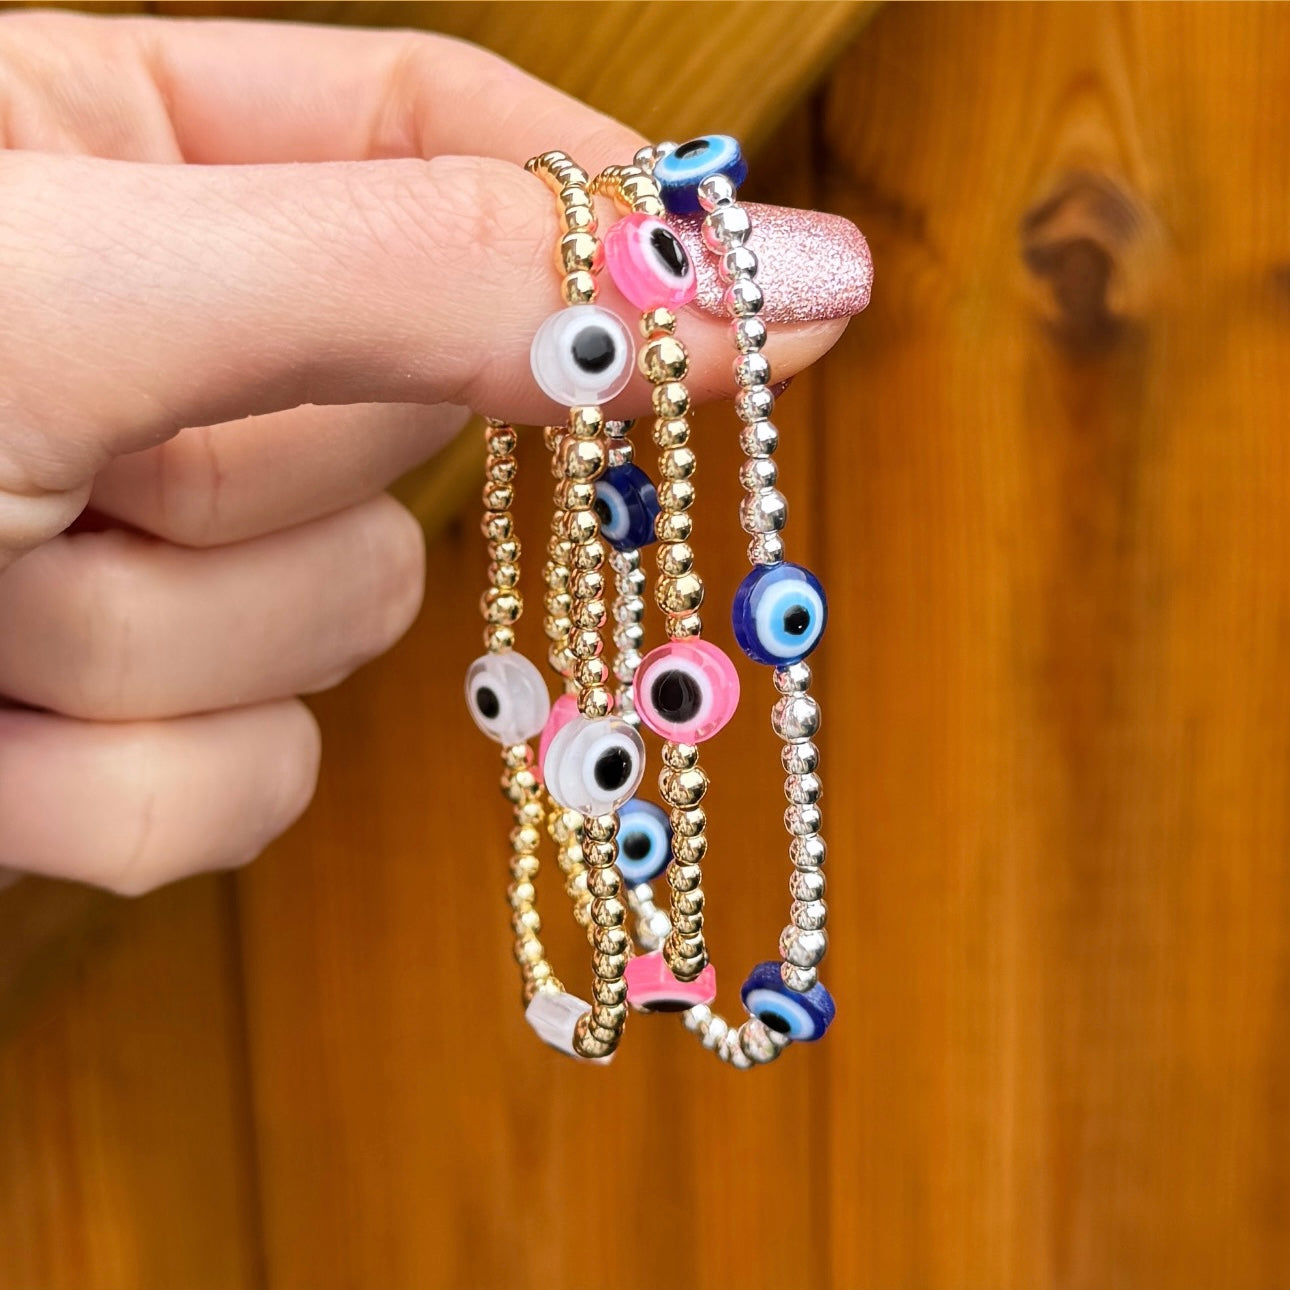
x,y
507,697
680,173
582,356
779,614
627,504
802,1017
594,764
644,841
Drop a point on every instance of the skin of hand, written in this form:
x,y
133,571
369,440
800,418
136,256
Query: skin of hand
x,y
251,274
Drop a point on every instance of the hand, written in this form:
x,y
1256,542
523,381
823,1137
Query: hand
x,y
230,360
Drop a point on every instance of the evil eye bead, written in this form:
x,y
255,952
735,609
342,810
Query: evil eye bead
x,y
581,356
627,504
644,841
803,1017
593,764
651,987
686,690
648,263
507,697
680,173
779,614
554,1017
563,710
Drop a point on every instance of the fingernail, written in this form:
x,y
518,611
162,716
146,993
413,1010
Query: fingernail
x,y
811,265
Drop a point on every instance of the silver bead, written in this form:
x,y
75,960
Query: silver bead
x,y
754,404
629,636
803,949
799,979
632,583
795,716
809,915
803,790
754,1039
629,609
716,190
644,158
766,549
749,333
726,228
715,1033
760,439
617,429
663,149
738,262
793,679
758,473
799,759
806,884
696,1019
619,454
743,298
734,1054
801,821
625,665
751,370
628,561
764,512
807,853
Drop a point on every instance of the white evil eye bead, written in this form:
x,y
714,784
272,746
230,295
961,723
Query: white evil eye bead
x,y
802,1017
686,690
644,841
554,1017
648,263
507,697
680,173
627,504
779,614
651,987
581,356
594,764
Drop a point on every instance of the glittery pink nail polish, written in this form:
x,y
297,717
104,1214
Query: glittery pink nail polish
x,y
812,265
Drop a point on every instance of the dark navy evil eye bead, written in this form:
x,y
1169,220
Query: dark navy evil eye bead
x,y
644,841
680,173
802,1017
779,614
627,504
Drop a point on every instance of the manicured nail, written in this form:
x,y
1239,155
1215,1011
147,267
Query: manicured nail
x,y
811,265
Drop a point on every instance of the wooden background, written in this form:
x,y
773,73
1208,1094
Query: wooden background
x,y
1045,479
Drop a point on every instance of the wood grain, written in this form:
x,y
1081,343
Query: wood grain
x,y
1044,478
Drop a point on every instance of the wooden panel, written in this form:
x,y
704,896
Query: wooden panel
x,y
125,1160
1059,450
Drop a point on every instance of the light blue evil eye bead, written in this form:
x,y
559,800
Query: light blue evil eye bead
x,y
627,504
779,614
680,173
802,1017
644,841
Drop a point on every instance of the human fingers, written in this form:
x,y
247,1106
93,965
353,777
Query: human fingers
x,y
212,485
132,805
143,299
117,626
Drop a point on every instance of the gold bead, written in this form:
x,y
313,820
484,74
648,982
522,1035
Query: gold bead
x,y
672,433
556,627
684,627
498,497
498,528
684,788
589,615
580,527
526,838
681,595
589,584
525,780
504,576
582,459
601,828
505,552
558,604
636,183
584,644
552,436
609,913
593,672
648,205
501,441
675,558
662,360
575,495
673,526
531,813
580,251
675,494
560,550
689,824
559,658
524,868
601,855
578,288
680,756
501,606
687,924
587,422
677,463
604,884
517,756
579,219
684,877
671,400
690,850
498,637
526,920
596,702
657,320
519,893
588,557
584,1044
574,196
499,470
609,994
610,1018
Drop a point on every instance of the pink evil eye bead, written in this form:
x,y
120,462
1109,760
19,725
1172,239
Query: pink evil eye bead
x,y
686,690
651,987
648,263
563,710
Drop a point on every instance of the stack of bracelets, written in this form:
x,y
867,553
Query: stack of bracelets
x,y
580,787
